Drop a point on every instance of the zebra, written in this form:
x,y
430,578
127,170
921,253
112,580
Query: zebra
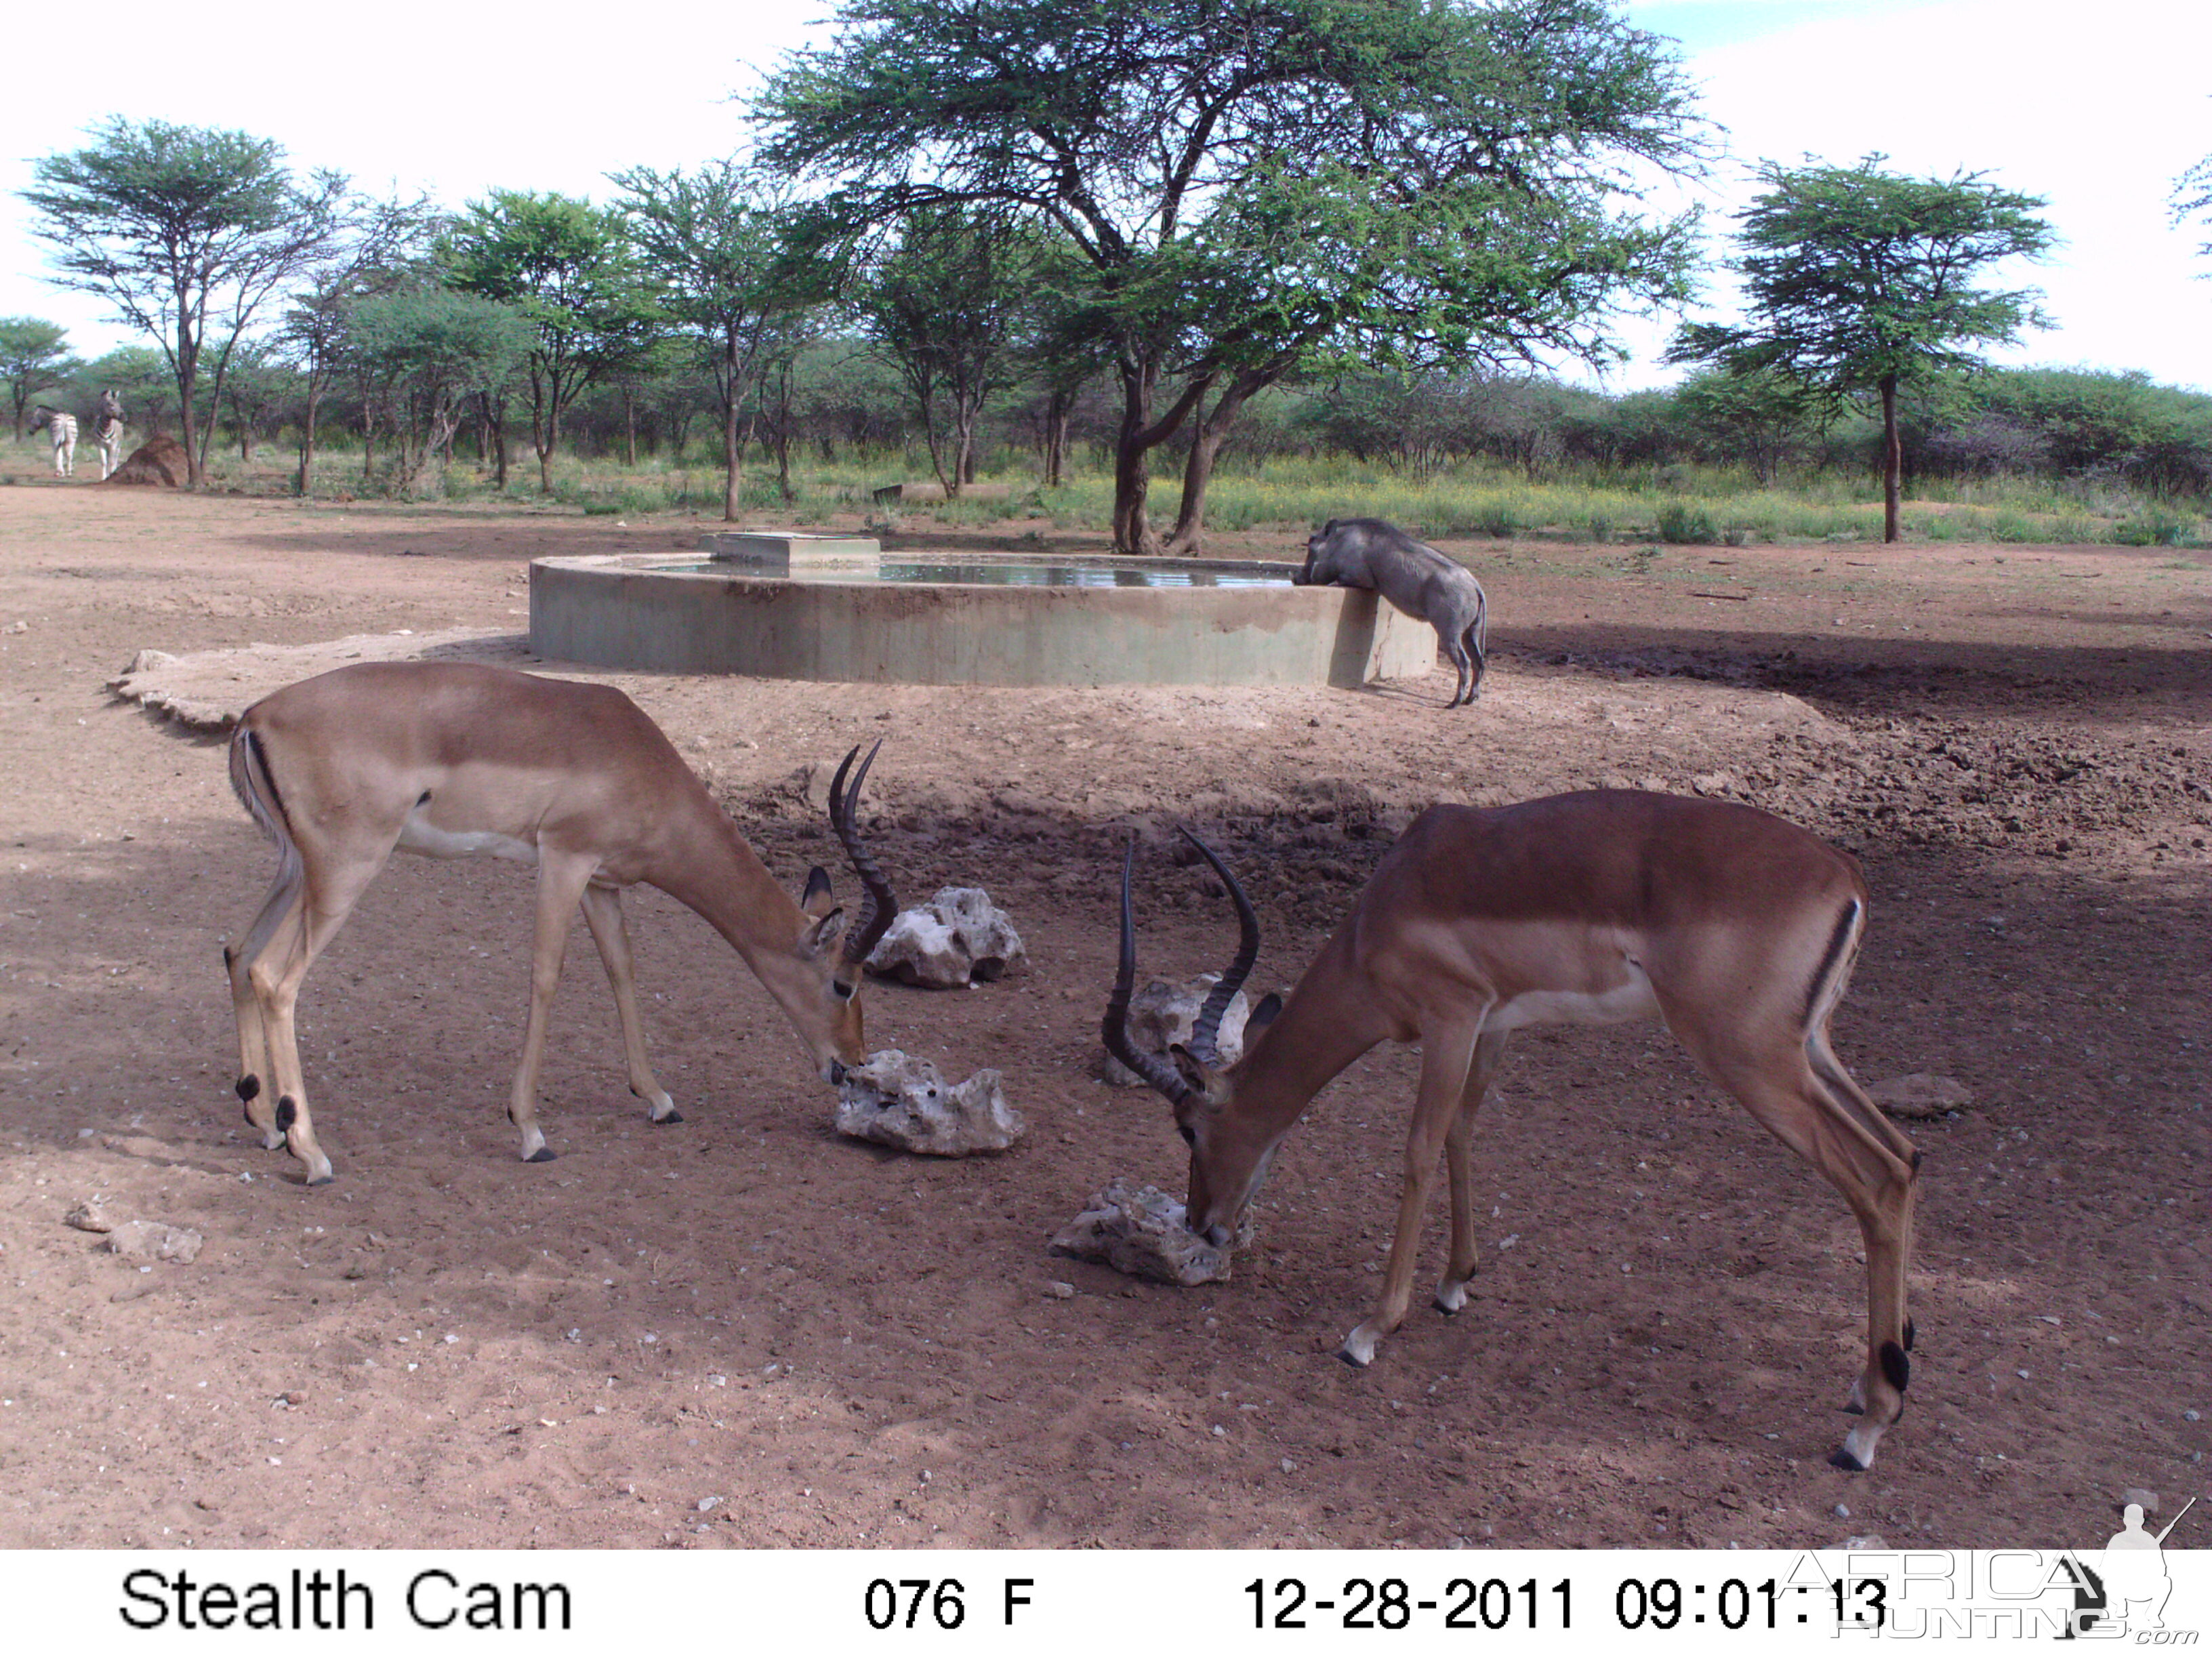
x,y
108,431
63,426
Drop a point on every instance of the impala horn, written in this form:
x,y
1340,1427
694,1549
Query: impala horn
x,y
1207,1028
881,906
1155,1069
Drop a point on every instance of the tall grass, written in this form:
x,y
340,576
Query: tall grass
x,y
1691,505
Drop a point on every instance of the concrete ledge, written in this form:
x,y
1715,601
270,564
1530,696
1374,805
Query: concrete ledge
x,y
635,611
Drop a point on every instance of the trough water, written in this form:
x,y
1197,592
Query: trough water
x,y
1021,573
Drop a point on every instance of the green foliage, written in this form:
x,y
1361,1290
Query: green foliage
x,y
1682,524
186,232
1761,413
570,270
1854,276
34,357
424,352
1254,187
1858,281
949,305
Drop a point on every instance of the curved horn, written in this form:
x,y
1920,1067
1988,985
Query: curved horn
x,y
881,906
1208,1025
1153,1068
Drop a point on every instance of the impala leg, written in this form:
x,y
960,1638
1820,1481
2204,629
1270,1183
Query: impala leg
x,y
603,914
1845,1090
1445,1060
562,880
280,912
1845,1138
1451,1290
276,974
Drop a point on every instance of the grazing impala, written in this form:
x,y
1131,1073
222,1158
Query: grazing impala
x,y
456,760
1735,927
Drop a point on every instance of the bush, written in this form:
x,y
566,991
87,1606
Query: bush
x,y
1682,524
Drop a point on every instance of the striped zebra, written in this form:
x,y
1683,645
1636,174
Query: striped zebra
x,y
63,426
108,431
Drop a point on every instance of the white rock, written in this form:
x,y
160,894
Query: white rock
x,y
1162,1014
903,1101
154,1241
1141,1231
957,939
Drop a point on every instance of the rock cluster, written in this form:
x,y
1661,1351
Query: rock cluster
x,y
1141,1231
1162,1014
957,939
898,1100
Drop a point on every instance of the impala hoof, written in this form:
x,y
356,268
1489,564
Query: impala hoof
x,y
1841,1458
671,1115
543,1155
1351,1359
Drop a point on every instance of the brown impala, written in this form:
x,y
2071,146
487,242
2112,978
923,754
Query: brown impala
x,y
1735,927
456,760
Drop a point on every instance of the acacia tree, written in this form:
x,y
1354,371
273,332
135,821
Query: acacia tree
x,y
1255,186
187,232
568,268
949,305
427,352
720,241
34,356
1759,412
1857,280
384,248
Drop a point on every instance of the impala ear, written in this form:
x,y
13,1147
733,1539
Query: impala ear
x,y
815,900
1263,1016
1192,1074
824,932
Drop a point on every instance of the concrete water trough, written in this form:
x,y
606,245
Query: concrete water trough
x,y
834,608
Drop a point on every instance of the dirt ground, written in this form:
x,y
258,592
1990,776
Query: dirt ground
x,y
746,1331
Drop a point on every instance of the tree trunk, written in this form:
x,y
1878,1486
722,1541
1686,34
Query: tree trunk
x,y
1133,531
188,368
1892,459
1198,470
732,458
307,480
629,427
1055,437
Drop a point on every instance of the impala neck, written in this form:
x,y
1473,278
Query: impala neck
x,y
1329,1020
709,868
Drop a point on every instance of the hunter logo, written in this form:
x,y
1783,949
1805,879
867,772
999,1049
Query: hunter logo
x,y
2118,1593
2126,1594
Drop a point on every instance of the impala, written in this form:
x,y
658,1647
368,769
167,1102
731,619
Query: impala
x,y
1735,928
456,760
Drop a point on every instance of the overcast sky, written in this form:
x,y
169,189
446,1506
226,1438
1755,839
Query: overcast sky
x,y
2097,107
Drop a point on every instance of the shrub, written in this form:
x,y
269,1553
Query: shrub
x,y
1682,524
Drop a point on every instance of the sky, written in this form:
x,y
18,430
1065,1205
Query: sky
x,y
2097,108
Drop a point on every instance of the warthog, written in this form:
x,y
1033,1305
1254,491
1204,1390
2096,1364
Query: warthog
x,y
1414,576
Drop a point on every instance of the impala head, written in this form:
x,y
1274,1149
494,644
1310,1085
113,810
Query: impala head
x,y
1228,1157
836,956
